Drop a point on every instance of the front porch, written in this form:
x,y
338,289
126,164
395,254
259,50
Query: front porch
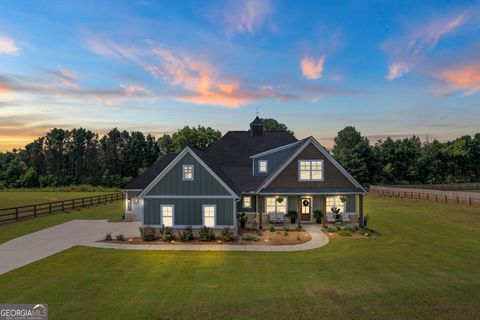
x,y
282,209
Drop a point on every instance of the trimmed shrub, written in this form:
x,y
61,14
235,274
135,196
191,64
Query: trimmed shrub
x,y
186,235
271,228
206,234
227,235
249,237
108,237
346,233
147,233
120,237
166,234
332,229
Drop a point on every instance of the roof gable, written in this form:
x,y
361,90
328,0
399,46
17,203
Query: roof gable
x,y
173,164
287,174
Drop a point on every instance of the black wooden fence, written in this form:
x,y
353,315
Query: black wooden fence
x,y
35,210
471,199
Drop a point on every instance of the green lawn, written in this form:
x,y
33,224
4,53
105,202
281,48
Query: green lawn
x,y
111,211
469,190
10,199
425,265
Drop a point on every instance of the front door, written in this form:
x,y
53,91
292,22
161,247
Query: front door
x,y
306,208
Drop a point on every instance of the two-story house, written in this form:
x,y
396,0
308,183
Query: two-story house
x,y
262,173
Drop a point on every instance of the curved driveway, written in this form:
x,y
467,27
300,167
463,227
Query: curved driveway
x,y
41,244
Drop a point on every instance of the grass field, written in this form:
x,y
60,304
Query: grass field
x,y
10,199
111,211
470,191
425,265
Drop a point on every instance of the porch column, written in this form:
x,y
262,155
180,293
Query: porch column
x,y
360,210
299,208
324,210
259,213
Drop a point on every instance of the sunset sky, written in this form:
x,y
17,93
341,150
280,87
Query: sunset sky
x,y
388,68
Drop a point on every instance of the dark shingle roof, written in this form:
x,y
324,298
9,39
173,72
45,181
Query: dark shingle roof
x,y
144,179
236,147
257,121
229,158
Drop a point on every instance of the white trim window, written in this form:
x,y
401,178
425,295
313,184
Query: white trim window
x,y
166,212
262,166
272,205
247,202
335,202
188,171
209,211
310,170
129,205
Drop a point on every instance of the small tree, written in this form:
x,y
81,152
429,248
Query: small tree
x,y
30,178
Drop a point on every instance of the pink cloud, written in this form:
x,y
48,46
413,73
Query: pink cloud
x,y
8,46
408,51
396,70
465,77
65,77
311,69
201,80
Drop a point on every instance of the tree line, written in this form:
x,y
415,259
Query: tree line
x,y
80,156
408,161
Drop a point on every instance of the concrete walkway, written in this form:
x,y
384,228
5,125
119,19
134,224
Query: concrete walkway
x,y
41,244
319,239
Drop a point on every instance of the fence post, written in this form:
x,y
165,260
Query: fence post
x,y
16,213
34,210
50,208
73,204
457,200
470,201
83,202
446,199
63,205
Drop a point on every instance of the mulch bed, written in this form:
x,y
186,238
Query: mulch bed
x,y
265,238
356,234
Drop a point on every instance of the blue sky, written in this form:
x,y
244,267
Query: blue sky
x,y
388,68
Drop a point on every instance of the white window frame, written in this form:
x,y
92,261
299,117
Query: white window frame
x,y
266,166
214,214
243,202
285,203
173,214
336,200
183,172
322,170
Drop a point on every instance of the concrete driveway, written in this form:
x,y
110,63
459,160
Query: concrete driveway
x,y
41,244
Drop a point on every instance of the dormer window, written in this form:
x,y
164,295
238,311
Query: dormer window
x,y
188,172
262,166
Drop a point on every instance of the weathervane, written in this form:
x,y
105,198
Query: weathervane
x,y
257,111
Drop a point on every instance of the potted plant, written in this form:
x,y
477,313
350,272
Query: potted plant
x,y
242,218
318,214
336,213
292,214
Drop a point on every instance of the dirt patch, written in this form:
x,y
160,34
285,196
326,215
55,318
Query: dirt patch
x,y
265,237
